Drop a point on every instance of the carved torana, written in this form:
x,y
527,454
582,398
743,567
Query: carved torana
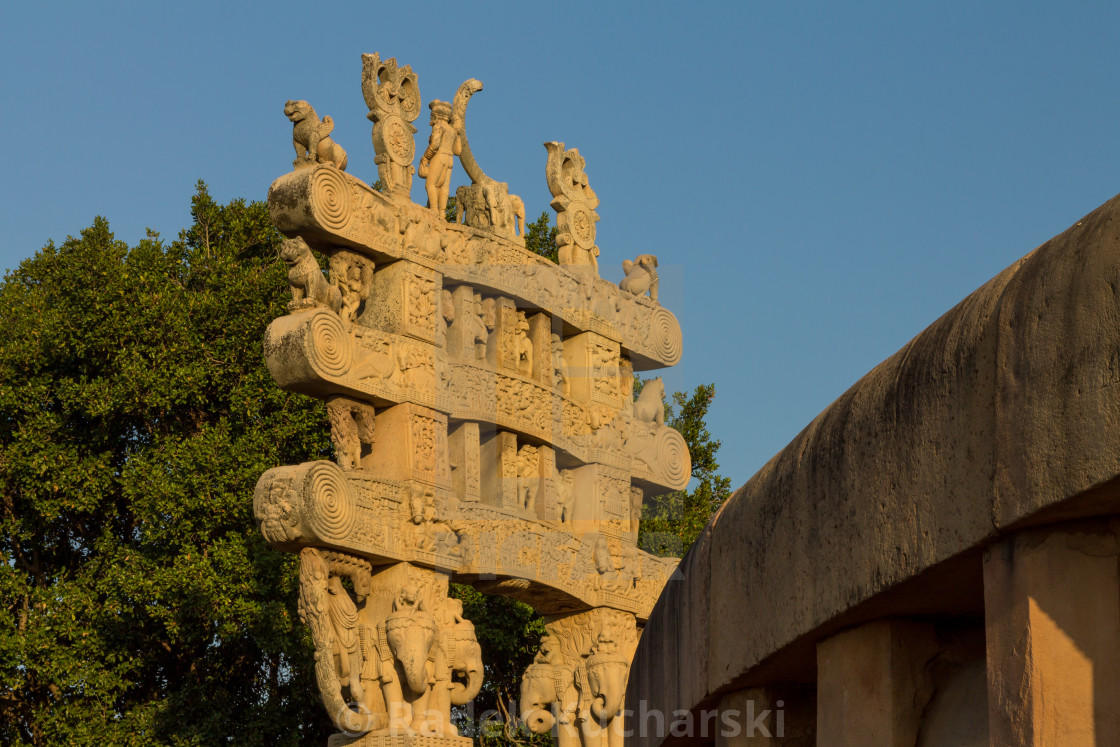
x,y
484,428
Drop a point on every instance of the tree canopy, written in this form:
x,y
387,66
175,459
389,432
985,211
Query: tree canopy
x,y
139,604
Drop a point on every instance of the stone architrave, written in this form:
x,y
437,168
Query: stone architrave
x,y
481,404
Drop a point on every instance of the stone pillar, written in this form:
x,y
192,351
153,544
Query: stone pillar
x,y
872,684
766,717
1052,618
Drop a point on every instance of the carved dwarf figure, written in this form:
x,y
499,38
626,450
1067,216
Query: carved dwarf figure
x,y
309,287
439,158
641,276
311,137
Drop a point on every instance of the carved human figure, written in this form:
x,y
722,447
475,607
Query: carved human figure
x,y
479,331
425,529
565,492
528,477
641,276
352,426
344,621
524,346
439,158
559,367
311,137
352,274
636,497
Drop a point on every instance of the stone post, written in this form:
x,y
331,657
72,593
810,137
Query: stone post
x,y
872,684
1052,614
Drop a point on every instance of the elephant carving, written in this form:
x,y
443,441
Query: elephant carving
x,y
577,682
548,681
607,670
457,664
410,631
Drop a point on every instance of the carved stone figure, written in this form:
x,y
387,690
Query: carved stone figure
x,y
352,424
524,346
311,137
352,274
560,368
439,158
377,359
565,491
528,477
344,619
309,287
458,665
650,405
607,669
641,276
319,608
575,203
425,529
549,679
411,632
520,405
485,204
393,97
636,497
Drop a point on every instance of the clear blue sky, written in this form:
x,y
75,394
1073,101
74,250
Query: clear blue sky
x,y
820,181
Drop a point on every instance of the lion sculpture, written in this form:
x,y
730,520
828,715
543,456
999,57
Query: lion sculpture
x,y
641,276
650,405
309,287
312,138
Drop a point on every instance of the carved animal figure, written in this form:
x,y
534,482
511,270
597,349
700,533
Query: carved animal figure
x,y
650,405
549,679
641,276
309,287
311,137
411,632
458,667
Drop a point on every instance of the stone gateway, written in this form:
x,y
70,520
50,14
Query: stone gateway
x,y
480,399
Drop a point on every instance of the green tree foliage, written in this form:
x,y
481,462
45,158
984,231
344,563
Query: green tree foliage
x,y
138,603
540,237
672,522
